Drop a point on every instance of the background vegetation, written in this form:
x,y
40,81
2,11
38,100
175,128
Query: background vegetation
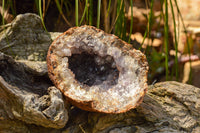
x,y
110,16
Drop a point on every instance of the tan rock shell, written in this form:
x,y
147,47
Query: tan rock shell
x,y
130,86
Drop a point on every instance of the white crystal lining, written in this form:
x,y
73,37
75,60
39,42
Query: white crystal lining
x,y
128,86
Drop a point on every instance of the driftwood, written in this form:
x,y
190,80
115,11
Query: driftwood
x,y
29,103
27,96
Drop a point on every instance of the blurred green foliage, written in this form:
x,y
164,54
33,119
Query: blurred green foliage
x,y
111,16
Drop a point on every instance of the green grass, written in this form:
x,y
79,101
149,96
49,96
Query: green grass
x,y
109,4
84,12
175,42
41,16
187,41
166,42
61,12
131,24
3,5
119,23
90,13
98,13
149,25
76,12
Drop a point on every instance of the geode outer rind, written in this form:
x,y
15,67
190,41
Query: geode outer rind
x,y
131,84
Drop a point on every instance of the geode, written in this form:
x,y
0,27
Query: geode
x,y
97,71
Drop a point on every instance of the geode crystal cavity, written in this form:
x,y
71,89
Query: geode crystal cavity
x,y
97,71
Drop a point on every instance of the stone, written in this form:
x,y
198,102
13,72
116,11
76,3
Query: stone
x,y
97,71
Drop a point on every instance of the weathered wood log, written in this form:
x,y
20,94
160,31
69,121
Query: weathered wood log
x,y
29,104
27,96
25,39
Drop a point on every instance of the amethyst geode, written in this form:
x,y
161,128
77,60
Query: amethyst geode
x,y
97,71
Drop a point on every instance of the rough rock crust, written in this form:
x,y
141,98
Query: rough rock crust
x,y
97,71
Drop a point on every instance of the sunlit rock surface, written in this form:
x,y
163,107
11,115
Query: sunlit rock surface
x,y
97,71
